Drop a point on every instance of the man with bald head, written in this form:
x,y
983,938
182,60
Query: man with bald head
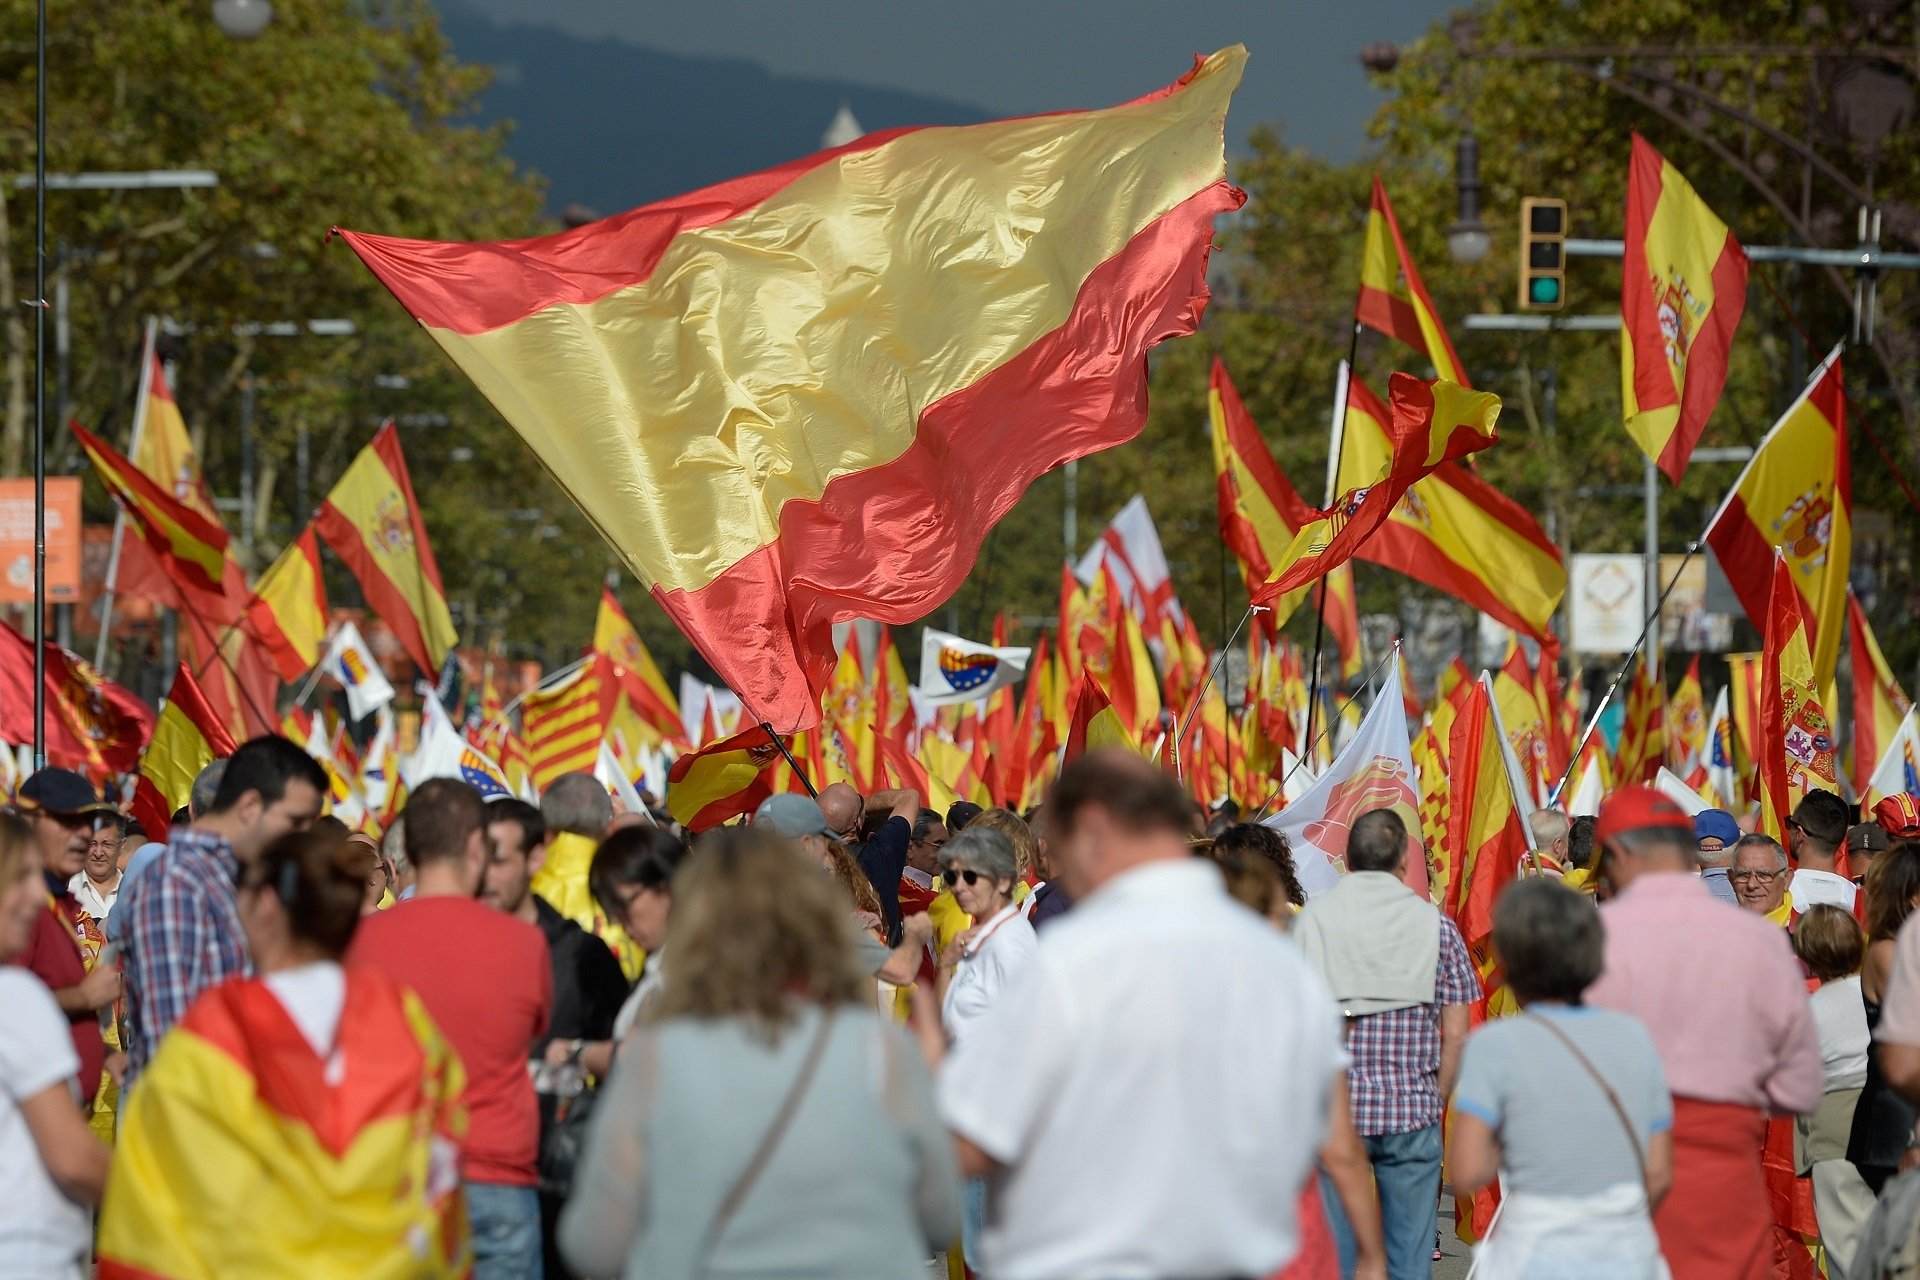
x,y
884,857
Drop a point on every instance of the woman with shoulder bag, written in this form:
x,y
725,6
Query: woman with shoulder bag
x,y
1568,1106
797,1124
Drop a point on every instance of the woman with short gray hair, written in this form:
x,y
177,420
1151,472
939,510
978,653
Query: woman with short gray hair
x,y
1582,1164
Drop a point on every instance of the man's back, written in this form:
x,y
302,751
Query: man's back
x,y
1178,1044
485,978
1717,988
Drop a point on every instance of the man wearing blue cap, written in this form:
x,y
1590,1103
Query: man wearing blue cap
x,y
1715,833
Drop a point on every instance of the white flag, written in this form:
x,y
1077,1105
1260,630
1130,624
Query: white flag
x,y
1130,546
1375,771
1717,755
378,765
1675,788
619,786
443,753
953,670
352,663
1587,794
1899,766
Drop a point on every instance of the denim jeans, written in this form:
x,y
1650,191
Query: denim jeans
x,y
1406,1173
506,1231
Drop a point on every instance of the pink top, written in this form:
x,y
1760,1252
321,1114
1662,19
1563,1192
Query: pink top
x,y
1719,991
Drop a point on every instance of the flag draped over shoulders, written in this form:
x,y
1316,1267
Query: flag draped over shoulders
x,y
806,394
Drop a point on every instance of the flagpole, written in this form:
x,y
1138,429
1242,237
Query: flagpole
x,y
1308,753
793,764
1214,670
1511,766
40,386
120,516
1333,475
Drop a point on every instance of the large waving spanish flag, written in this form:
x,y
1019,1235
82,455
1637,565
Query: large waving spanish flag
x,y
1454,531
1682,289
373,523
1393,299
722,780
1879,703
805,395
187,737
245,1153
1796,495
1430,423
1797,749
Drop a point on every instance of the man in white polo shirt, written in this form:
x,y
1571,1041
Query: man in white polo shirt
x,y
1147,1098
1815,833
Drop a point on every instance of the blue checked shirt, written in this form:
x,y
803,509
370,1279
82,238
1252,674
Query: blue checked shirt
x,y
182,935
1394,1074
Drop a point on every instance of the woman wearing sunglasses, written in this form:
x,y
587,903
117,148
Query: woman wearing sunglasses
x,y
980,867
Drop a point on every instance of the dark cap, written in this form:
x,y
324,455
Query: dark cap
x,y
61,791
1638,809
1867,837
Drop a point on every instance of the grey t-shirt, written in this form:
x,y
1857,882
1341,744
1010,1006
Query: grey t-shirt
x,y
1558,1134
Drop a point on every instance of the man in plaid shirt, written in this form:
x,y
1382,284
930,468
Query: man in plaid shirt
x,y
181,920
1401,973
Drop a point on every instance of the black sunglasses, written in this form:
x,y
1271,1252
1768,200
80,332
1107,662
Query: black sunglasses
x,y
951,874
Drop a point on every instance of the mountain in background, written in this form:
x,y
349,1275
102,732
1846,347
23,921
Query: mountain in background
x,y
614,125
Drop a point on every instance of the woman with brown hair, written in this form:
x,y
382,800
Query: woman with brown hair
x,y
766,1120
1883,1120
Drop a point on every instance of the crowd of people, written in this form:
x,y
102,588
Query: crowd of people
x,y
1108,1038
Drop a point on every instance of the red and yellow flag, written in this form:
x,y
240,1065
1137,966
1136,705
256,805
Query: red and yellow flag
x,y
1686,720
1879,703
1456,532
1682,289
643,689
563,724
1430,423
192,547
1797,750
288,611
1525,725
1393,300
373,523
1485,838
187,737
1797,495
163,449
1643,735
721,780
1095,725
92,723
795,472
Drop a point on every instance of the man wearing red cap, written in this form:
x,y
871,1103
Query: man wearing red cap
x,y
1899,816
1723,998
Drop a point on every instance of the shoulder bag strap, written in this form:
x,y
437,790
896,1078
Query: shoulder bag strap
x,y
770,1140
1613,1099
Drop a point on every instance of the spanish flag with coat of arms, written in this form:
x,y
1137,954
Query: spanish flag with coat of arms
x,y
805,395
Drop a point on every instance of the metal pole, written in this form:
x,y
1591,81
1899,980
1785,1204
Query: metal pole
x,y
40,386
1333,474
793,764
1214,670
1653,558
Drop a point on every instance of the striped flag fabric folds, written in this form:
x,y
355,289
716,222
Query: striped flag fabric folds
x,y
564,724
1879,703
288,611
187,737
721,780
1393,299
806,394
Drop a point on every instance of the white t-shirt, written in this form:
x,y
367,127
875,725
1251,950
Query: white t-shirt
x,y
1840,1018
1001,950
312,995
1176,1044
42,1233
1821,888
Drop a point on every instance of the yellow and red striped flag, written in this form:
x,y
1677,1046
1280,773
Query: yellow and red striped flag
x,y
1393,300
163,449
796,473
1797,750
722,780
187,737
1686,720
1430,423
288,611
1643,735
1456,532
1743,685
373,523
1682,289
642,686
563,724
1879,703
190,546
1485,838
1797,495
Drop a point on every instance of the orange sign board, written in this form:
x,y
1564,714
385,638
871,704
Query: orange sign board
x,y
63,540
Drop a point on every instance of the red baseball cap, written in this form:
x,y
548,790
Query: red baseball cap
x,y
1899,816
1637,809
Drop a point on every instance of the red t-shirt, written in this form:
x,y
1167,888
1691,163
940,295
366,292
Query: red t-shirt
x,y
485,978
53,956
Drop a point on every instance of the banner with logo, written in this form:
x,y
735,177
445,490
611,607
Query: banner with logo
x,y
953,670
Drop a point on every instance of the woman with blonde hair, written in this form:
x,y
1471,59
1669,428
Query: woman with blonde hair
x,y
766,1120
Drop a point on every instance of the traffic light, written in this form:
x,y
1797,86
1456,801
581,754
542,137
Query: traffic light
x,y
1543,254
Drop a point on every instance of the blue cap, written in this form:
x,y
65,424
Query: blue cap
x,y
793,816
1716,824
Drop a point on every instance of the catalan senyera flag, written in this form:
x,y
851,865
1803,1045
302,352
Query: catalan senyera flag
x,y
1682,289
187,737
721,780
360,1167
641,683
795,473
1797,748
191,547
564,723
1454,531
1879,703
1484,833
288,611
1796,494
1643,735
1393,299
373,523
1429,423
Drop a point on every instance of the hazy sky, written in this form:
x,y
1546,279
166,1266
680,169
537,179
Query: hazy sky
x,y
1013,56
